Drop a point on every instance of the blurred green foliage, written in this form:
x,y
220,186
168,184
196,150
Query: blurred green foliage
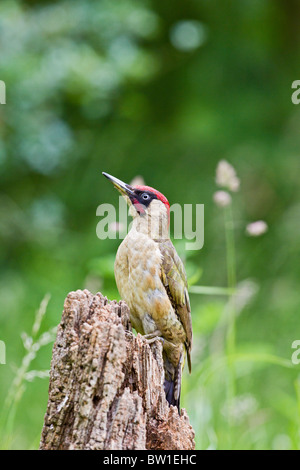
x,y
166,91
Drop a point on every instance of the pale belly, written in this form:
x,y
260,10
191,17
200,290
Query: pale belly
x,y
137,272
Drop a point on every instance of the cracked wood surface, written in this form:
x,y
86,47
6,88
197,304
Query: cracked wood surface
x,y
106,385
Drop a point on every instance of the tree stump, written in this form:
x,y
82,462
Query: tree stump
x,y
106,384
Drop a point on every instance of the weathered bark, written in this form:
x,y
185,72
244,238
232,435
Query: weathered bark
x,y
106,385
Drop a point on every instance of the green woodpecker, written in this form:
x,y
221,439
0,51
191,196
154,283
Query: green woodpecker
x,y
151,279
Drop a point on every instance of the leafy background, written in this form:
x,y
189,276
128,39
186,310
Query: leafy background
x,y
163,90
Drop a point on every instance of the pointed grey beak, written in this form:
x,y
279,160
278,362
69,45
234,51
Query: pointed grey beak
x,y
125,189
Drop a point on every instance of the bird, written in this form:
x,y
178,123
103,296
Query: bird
x,y
151,278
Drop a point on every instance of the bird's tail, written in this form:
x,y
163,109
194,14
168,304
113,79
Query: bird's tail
x,y
172,384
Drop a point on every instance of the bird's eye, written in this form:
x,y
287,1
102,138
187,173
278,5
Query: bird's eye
x,y
145,196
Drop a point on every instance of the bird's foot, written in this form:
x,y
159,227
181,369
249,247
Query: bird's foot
x,y
155,336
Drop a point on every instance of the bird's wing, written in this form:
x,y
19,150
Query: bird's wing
x,y
175,281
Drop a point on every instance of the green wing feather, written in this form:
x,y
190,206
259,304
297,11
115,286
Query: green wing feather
x,y
175,281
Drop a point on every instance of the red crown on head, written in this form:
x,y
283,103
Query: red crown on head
x,y
159,195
